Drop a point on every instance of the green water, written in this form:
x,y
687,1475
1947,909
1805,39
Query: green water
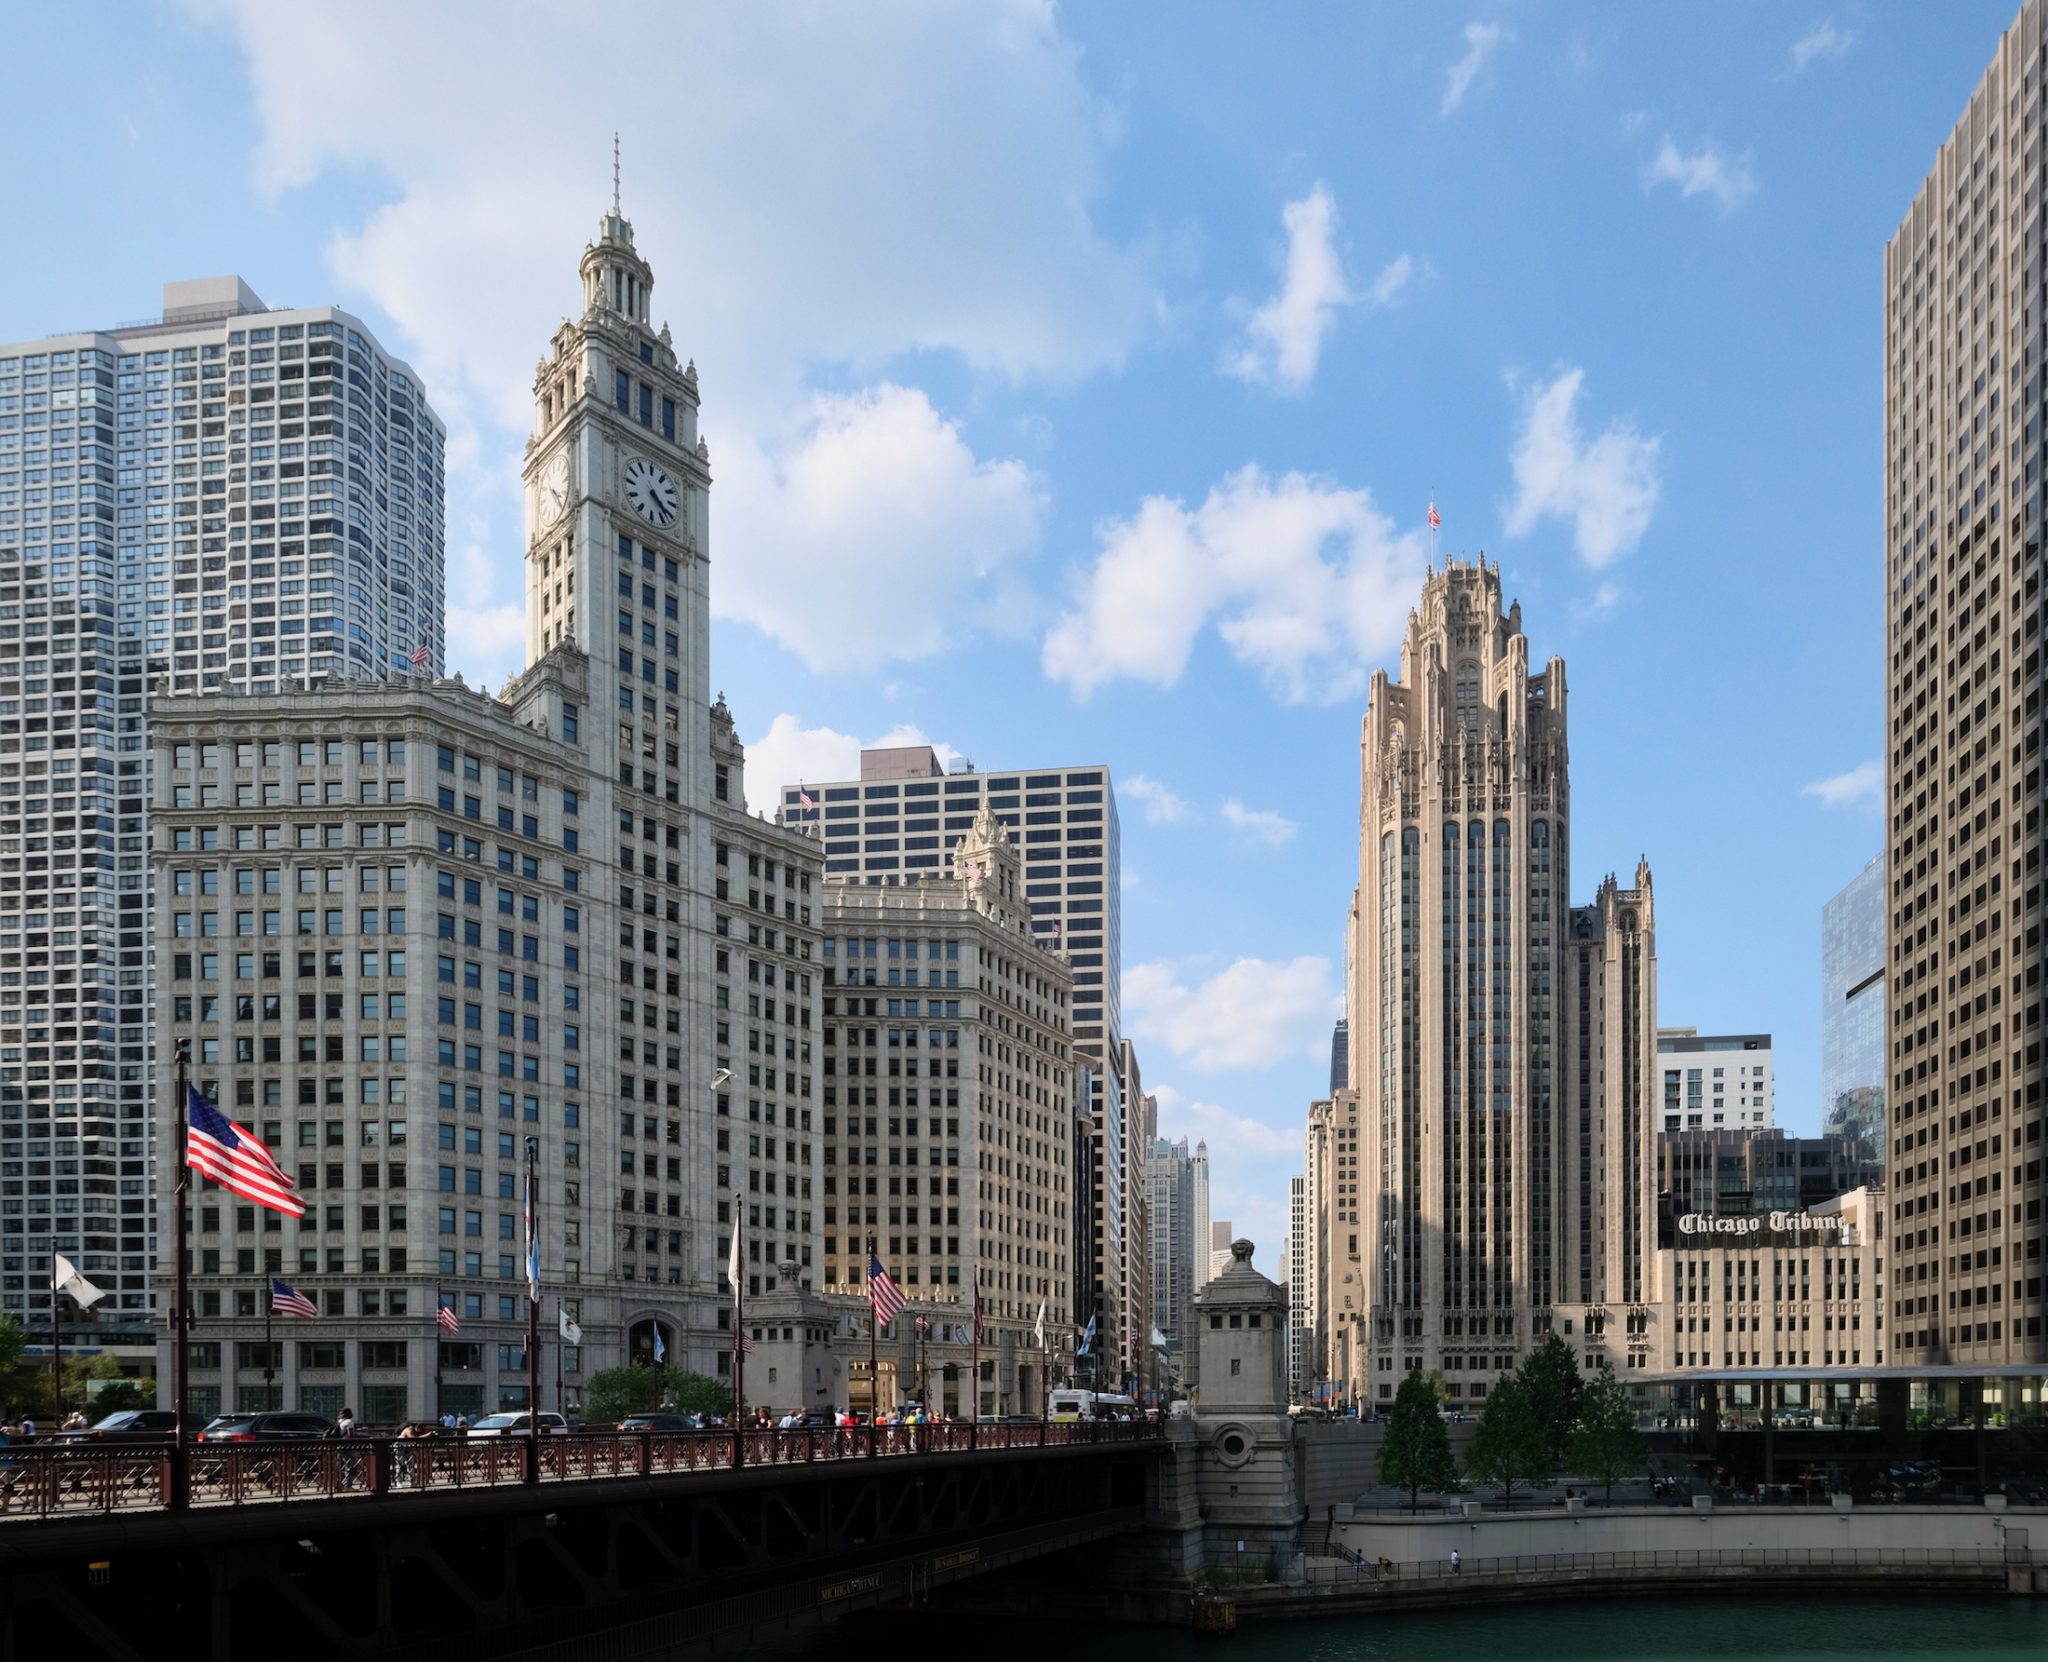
x,y
1768,1629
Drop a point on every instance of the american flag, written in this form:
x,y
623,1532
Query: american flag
x,y
977,1316
447,1319
746,1344
1435,519
972,870
233,1158
287,1300
417,657
803,800
924,1327
883,1296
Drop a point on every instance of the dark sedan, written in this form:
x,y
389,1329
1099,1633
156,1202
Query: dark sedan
x,y
264,1428
131,1425
661,1422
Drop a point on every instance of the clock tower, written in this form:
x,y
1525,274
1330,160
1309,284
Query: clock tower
x,y
617,491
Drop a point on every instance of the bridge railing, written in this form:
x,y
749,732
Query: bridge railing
x,y
74,1480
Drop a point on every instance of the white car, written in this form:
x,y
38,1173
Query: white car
x,y
515,1425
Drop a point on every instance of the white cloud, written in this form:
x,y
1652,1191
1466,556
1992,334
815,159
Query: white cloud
x,y
1286,333
485,633
1393,278
1162,806
1607,488
1226,1132
890,131
1275,830
1305,581
874,534
1823,40
1729,180
1604,599
1250,1015
1860,787
790,753
1480,40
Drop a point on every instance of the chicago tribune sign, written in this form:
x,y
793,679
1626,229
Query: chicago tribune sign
x,y
1708,1229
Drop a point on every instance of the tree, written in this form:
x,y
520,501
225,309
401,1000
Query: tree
x,y
1551,1387
1415,1452
617,1392
11,1341
1509,1446
1607,1446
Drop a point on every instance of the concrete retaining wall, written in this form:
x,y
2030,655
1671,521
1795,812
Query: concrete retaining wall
x,y
1408,1540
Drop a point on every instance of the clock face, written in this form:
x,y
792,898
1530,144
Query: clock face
x,y
554,489
651,492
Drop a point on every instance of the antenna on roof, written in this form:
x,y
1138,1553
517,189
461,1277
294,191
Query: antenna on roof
x,y
615,175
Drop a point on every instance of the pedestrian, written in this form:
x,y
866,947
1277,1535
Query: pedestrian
x,y
28,1429
448,1420
1457,1563
346,1425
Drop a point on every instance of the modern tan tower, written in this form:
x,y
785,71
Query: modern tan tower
x,y
1964,457
1502,1045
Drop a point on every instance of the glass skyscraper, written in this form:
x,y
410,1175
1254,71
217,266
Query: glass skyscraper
x,y
1852,1010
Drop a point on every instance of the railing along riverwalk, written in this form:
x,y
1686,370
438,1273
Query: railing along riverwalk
x,y
87,1479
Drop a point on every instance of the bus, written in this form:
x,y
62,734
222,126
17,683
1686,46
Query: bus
x,y
1093,1405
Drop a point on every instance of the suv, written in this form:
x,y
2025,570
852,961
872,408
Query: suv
x,y
516,1425
656,1422
265,1428
130,1425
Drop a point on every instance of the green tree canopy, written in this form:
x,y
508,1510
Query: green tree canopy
x,y
1551,1387
1509,1447
11,1340
1607,1447
617,1392
1415,1450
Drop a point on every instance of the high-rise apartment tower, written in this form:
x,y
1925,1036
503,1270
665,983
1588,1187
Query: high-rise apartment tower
x,y
227,497
1964,357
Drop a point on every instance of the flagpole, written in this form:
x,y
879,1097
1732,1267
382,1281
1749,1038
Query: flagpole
x,y
533,1307
56,1346
739,1348
874,1323
180,1454
269,1368
436,1334
561,1344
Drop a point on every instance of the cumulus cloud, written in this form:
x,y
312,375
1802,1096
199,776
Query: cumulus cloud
x,y
874,533
1286,333
1480,40
1227,1132
1607,488
1729,180
1162,806
935,174
1250,1015
1860,787
1285,336
1274,830
790,753
1304,580
1822,41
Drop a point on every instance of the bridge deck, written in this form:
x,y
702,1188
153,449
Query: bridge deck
x,y
135,1481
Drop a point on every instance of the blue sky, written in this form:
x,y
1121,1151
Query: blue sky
x,y
1076,383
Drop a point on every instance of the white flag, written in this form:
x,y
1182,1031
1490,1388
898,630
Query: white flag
x,y
732,1257
66,1279
571,1333
1040,1329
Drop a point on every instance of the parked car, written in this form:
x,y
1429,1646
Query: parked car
x,y
130,1425
657,1422
516,1425
265,1428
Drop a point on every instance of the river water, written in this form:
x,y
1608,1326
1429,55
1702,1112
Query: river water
x,y
1773,1628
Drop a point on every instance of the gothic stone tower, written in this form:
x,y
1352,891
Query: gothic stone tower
x,y
1456,956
